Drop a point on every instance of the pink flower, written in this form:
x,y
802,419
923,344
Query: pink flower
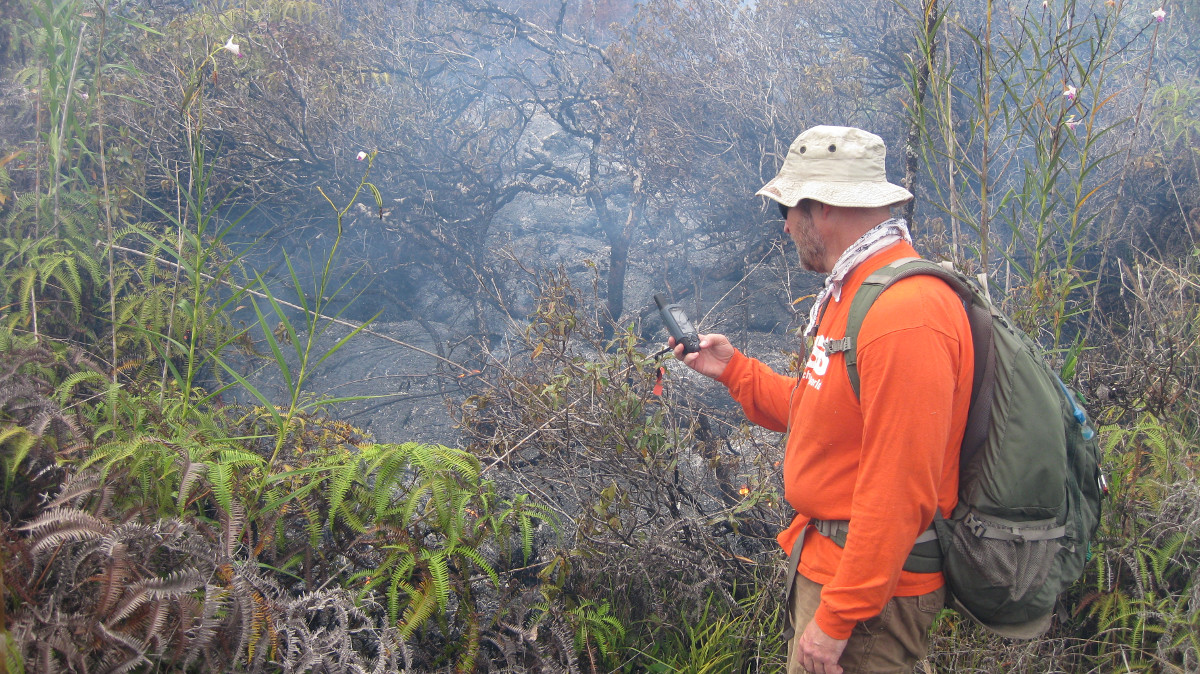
x,y
1159,14
361,156
1072,123
234,48
1069,93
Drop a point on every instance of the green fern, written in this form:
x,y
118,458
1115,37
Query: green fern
x,y
15,445
66,390
526,514
9,650
479,561
400,571
220,478
1160,558
594,624
240,458
421,606
52,268
431,515
437,562
341,478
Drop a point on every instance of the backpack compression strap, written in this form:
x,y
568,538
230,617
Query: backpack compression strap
x,y
979,316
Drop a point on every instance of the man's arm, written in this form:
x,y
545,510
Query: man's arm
x,y
712,358
818,652
763,394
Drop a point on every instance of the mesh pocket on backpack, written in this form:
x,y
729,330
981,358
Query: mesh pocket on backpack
x,y
1001,571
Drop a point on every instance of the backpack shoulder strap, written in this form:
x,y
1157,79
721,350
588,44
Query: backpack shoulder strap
x,y
979,315
864,299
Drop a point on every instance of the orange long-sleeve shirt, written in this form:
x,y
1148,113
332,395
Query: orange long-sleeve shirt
x,y
883,462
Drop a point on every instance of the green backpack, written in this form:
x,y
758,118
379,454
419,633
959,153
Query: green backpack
x,y
1030,482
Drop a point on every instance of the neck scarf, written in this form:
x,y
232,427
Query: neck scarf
x,y
876,239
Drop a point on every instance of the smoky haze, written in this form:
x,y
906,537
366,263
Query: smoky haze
x,y
618,142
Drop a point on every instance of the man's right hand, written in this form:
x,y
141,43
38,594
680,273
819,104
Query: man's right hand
x,y
714,354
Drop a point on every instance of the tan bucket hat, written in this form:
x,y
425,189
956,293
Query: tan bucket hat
x,y
835,165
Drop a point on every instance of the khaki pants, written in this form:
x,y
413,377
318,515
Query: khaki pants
x,y
892,641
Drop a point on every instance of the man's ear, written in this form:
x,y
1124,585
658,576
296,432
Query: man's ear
x,y
818,207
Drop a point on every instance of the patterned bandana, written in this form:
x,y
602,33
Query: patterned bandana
x,y
879,237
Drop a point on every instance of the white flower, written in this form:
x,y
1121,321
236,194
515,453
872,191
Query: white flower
x,y
1072,122
233,47
361,156
1045,4
1069,93
1159,14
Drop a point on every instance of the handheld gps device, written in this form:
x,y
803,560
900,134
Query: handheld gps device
x,y
678,325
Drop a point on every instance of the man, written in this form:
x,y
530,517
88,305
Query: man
x,y
871,471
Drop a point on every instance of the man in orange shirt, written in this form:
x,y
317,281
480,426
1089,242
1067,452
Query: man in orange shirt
x,y
866,474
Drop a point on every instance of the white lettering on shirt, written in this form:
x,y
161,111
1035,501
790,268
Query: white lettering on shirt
x,y
818,363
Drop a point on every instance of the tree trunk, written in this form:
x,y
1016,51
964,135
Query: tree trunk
x,y
926,44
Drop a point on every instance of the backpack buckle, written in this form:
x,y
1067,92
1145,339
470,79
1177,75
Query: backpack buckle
x,y
975,525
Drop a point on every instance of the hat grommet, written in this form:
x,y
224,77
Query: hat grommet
x,y
833,148
803,149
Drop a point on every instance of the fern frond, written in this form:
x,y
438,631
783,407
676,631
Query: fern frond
x,y
67,534
465,463
238,457
62,525
232,523
1161,557
114,578
352,520
412,501
312,524
157,620
77,487
420,608
389,464
220,478
404,563
243,597
214,606
190,472
131,644
340,480
439,571
479,560
41,421
15,445
112,453
526,525
66,389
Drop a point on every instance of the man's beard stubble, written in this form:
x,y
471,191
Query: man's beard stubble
x,y
809,246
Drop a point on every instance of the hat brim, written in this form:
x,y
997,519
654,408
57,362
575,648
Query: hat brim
x,y
790,192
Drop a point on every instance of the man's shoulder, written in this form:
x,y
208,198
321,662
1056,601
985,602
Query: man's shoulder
x,y
913,302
